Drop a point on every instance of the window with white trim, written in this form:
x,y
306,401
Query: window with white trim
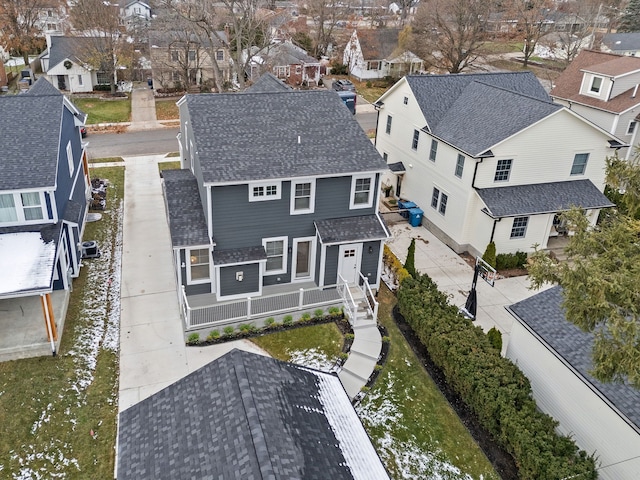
x,y
459,166
175,56
385,156
198,271
439,200
416,139
8,212
632,127
596,85
80,81
259,192
220,55
388,127
434,150
405,100
579,163
303,193
70,158
32,206
503,170
21,207
361,191
519,228
276,250
192,55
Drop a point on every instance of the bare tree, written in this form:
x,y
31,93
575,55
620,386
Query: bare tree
x,y
449,33
19,27
325,15
107,48
533,18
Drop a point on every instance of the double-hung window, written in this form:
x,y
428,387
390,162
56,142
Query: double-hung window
x,y
579,163
388,128
439,200
434,150
503,170
631,128
276,250
8,212
198,265
220,55
31,206
460,166
361,191
416,138
23,207
519,228
302,196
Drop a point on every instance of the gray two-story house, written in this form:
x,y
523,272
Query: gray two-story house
x,y
278,192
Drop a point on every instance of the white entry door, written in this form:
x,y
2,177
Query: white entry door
x,y
349,262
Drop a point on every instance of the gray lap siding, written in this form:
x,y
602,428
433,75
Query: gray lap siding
x,y
250,283
370,261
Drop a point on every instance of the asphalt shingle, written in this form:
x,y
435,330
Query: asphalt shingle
x,y
268,83
239,255
258,136
540,198
351,229
543,314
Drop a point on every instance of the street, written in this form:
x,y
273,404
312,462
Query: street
x,y
152,142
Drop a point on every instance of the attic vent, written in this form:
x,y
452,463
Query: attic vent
x,y
298,139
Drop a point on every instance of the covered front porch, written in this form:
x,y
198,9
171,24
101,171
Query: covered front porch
x,y
23,331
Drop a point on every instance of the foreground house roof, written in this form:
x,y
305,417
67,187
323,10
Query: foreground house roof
x,y
458,108
255,136
245,416
567,85
539,198
543,316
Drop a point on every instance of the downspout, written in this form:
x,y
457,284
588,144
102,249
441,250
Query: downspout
x,y
475,172
375,139
493,230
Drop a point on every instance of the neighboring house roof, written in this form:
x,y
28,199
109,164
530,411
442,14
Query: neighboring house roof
x,y
286,53
178,37
622,41
260,136
268,83
458,108
42,87
543,316
351,229
76,49
73,212
247,416
538,198
31,130
187,224
567,85
29,254
378,44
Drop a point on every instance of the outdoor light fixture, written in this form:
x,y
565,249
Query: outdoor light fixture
x,y
370,249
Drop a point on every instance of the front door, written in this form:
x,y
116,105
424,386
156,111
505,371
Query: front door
x,y
349,262
303,258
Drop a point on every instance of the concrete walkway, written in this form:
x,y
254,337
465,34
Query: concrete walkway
x,y
152,349
454,276
143,109
363,357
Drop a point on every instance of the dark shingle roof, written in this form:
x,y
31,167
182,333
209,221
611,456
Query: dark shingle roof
x,y
378,44
544,315
186,215
30,127
268,83
351,229
244,416
42,87
77,49
239,255
73,212
288,54
542,198
622,41
258,136
458,108
397,167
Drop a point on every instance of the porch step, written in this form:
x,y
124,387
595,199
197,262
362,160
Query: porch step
x,y
351,382
367,348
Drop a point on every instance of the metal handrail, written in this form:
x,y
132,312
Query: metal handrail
x,y
372,303
345,293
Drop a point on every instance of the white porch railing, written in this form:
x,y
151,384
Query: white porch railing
x,y
372,303
350,306
247,308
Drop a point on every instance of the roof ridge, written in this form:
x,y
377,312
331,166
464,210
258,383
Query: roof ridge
x,y
258,438
520,94
478,74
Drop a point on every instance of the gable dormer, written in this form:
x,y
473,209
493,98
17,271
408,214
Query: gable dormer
x,y
596,85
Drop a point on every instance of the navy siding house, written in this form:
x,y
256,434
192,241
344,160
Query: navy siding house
x,y
286,186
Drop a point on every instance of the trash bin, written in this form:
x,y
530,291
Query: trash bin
x,y
415,217
405,206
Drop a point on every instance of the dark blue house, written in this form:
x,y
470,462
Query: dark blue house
x,y
278,189
44,194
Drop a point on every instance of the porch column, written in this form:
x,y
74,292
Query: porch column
x,y
49,320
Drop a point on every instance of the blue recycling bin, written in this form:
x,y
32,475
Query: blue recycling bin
x,y
404,207
415,217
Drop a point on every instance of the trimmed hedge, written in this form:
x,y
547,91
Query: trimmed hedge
x,y
505,261
492,386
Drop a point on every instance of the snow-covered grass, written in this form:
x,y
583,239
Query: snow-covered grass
x,y
414,429
58,415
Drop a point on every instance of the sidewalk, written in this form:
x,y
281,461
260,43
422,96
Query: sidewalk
x,y
454,276
143,109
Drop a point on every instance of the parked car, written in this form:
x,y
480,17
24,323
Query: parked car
x,y
343,86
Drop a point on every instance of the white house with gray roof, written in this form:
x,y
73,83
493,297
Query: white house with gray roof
x,y
489,157
556,356
278,193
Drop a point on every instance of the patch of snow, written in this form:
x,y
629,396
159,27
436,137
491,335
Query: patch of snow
x,y
29,259
56,464
312,358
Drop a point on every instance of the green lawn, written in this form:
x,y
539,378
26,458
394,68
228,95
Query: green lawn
x,y
167,110
104,111
50,405
172,154
171,165
106,160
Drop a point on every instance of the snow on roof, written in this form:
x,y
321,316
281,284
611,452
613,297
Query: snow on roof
x,y
355,444
26,262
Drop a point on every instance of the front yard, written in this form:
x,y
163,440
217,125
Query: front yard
x,y
58,414
104,111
